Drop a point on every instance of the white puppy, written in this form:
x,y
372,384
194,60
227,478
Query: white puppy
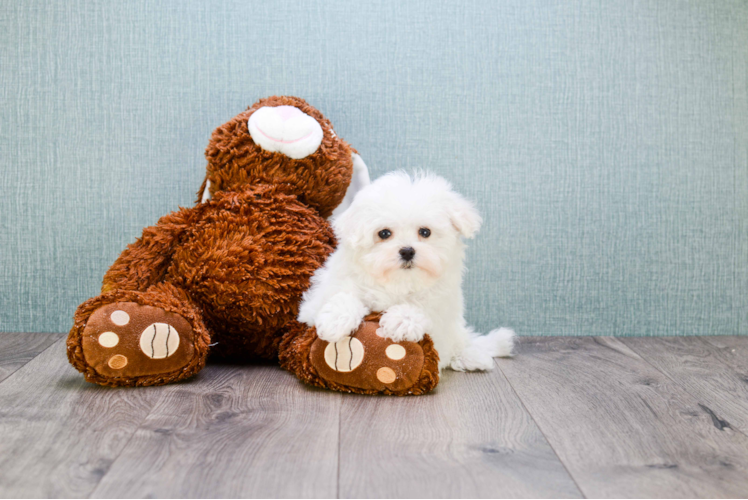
x,y
400,252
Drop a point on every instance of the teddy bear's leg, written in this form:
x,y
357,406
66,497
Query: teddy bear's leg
x,y
363,363
131,338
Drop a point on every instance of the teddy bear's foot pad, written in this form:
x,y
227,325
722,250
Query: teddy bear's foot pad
x,y
368,363
126,340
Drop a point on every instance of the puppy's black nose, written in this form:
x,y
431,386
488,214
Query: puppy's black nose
x,y
407,253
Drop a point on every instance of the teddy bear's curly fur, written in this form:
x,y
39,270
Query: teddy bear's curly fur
x,y
235,266
225,276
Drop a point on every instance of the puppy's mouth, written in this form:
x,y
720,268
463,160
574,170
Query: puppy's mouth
x,y
407,265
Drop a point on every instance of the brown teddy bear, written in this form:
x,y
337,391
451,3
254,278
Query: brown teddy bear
x,y
227,275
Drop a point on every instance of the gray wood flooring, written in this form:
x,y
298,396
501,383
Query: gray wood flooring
x,y
567,417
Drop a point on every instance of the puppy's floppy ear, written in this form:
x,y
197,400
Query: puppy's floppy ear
x,y
464,215
346,229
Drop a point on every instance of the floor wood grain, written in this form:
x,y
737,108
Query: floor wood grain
x,y
60,434
716,376
621,427
248,431
471,438
17,349
567,417
733,351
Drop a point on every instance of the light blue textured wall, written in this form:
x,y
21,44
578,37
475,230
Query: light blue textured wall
x,y
605,142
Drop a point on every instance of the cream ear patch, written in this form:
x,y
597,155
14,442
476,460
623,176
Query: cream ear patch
x,y
359,180
108,339
344,355
120,318
159,341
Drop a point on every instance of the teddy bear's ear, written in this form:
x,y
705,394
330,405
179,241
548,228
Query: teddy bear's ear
x,y
463,215
205,195
359,180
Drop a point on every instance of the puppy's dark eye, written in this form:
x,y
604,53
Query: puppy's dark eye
x,y
424,232
385,233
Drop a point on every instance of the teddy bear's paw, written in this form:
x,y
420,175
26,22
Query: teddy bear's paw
x,y
366,362
403,322
126,340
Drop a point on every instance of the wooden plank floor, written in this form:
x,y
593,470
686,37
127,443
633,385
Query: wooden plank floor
x,y
17,349
567,417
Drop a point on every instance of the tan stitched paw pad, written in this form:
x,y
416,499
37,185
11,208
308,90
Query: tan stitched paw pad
x,y
126,339
367,361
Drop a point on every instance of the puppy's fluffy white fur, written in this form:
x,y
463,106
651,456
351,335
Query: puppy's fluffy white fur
x,y
422,295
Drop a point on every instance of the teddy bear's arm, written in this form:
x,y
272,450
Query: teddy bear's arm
x,y
145,262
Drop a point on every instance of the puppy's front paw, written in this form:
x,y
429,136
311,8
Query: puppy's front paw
x,y
403,322
340,317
